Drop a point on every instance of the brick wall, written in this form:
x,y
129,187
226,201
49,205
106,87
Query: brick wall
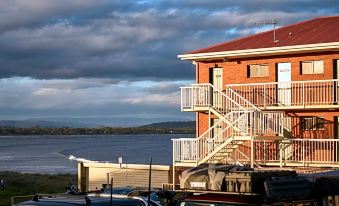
x,y
235,72
325,133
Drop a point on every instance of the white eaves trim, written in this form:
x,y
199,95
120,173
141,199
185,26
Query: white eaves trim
x,y
262,51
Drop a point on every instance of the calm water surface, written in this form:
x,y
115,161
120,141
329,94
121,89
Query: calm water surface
x,y
50,154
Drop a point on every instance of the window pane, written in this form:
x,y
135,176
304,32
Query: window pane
x,y
307,67
306,123
320,123
264,70
318,67
257,70
254,70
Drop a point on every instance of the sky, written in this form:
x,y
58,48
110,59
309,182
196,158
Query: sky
x,y
118,58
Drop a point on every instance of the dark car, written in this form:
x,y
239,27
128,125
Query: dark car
x,y
74,200
218,199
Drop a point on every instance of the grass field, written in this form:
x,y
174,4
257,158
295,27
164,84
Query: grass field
x,y
28,184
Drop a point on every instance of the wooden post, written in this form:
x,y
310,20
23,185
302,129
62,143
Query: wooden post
x,y
111,191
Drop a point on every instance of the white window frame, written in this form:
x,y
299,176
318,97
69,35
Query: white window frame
x,y
312,123
258,70
316,67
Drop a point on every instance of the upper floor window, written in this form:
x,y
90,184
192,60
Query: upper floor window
x,y
312,123
257,70
312,67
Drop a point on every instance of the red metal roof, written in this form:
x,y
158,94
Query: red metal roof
x,y
314,31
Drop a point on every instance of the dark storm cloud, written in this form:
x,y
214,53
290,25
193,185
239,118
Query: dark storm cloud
x,y
130,40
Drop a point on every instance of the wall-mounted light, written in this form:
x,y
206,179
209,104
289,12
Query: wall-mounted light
x,y
120,161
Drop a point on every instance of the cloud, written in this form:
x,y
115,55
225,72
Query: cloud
x,y
134,40
88,97
119,58
17,14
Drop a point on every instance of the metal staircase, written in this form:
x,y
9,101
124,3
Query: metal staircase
x,y
239,121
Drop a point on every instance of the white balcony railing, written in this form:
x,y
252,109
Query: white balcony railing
x,y
206,96
195,96
185,150
292,151
295,93
285,152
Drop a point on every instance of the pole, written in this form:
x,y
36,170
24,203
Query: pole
x,y
252,152
111,191
149,182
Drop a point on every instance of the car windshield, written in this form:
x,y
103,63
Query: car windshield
x,y
120,191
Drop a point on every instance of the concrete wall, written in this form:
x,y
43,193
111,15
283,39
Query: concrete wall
x,y
91,176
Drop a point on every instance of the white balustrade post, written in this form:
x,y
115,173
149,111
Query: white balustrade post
x,y
191,89
196,151
264,95
209,95
303,92
181,94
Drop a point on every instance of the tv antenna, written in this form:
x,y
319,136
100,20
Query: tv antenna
x,y
272,22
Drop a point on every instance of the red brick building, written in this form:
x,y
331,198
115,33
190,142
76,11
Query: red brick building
x,y
267,99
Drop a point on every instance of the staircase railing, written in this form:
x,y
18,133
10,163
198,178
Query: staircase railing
x,y
263,123
238,117
196,149
206,96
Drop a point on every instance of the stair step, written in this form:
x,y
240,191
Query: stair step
x,y
270,137
231,146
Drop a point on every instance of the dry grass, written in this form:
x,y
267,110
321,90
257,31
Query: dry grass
x,y
28,184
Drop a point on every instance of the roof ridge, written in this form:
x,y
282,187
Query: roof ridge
x,y
260,33
227,42
304,21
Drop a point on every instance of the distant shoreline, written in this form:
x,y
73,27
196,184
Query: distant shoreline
x,y
12,131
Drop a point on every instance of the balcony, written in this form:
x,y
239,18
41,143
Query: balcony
x,y
290,153
318,94
293,152
196,97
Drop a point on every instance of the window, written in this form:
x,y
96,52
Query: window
x,y
257,70
312,123
312,67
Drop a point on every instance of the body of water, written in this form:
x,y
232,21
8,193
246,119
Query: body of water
x,y
50,154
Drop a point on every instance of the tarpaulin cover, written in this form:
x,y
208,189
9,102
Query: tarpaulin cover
x,y
207,176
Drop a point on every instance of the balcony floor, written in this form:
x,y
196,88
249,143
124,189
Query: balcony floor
x,y
299,107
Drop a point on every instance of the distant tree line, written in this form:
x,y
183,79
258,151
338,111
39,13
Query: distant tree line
x,y
94,131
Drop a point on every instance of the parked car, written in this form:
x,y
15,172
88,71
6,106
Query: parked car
x,y
218,199
131,193
73,200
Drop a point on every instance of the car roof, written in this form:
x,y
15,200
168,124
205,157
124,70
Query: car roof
x,y
80,200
